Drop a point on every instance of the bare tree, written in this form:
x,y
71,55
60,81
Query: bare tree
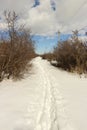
x,y
11,20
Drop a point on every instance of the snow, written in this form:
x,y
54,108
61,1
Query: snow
x,y
48,99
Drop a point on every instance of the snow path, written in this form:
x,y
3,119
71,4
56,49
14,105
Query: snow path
x,y
47,119
52,115
46,100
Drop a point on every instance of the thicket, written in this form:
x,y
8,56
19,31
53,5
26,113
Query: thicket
x,y
49,56
71,55
16,52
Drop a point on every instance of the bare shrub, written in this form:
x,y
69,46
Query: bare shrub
x,y
49,56
71,55
16,53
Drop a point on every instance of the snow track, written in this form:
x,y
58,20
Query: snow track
x,y
47,118
52,115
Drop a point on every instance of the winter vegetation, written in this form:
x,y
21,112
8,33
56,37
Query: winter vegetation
x,y
70,55
49,56
16,52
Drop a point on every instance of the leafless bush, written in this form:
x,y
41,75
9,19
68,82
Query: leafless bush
x,y
71,55
49,56
16,53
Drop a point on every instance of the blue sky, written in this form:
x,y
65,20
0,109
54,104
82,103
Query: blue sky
x,y
52,3
36,3
47,43
44,43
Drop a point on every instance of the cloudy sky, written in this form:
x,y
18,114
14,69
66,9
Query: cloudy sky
x,y
42,19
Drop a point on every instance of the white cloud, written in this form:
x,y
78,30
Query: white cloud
x,y
69,14
17,5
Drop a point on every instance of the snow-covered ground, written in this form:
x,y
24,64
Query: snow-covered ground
x,y
48,99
